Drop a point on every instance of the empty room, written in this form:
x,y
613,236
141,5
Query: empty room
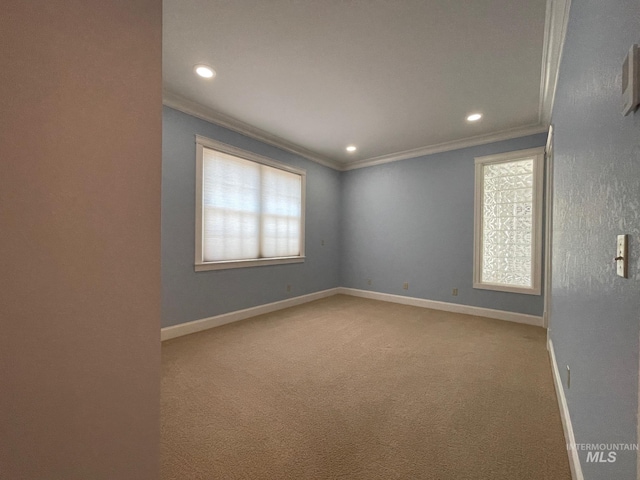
x,y
354,197
293,239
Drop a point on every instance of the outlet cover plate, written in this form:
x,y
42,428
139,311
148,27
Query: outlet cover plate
x,y
621,256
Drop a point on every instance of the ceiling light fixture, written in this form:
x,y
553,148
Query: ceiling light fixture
x,y
351,148
474,117
204,71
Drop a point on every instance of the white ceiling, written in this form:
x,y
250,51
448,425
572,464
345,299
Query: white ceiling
x,y
387,76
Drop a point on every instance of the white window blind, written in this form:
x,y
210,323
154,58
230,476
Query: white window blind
x,y
508,221
281,209
231,203
250,210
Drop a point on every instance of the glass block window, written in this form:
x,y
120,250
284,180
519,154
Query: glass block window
x,y
508,219
250,209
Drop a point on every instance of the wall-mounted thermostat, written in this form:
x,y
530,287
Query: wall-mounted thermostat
x,y
631,81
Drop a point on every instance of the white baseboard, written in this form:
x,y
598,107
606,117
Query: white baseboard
x,y
174,331
445,306
574,460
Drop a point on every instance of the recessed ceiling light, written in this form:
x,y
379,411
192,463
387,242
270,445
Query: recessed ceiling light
x,y
474,117
351,148
204,71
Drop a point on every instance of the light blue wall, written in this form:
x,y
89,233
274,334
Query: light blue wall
x,y
187,295
595,314
412,221
405,221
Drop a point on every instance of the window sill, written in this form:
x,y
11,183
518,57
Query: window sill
x,y
507,288
260,262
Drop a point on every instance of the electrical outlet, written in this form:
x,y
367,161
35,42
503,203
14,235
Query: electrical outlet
x,y
369,281
288,288
405,285
568,377
322,242
455,292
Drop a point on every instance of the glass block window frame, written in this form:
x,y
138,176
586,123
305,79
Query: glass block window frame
x,y
508,222
271,191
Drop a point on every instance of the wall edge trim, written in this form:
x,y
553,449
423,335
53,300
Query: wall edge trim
x,y
459,144
175,331
574,460
524,318
184,105
555,33
189,107
187,328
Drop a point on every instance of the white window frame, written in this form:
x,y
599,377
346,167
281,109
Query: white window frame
x,y
200,265
537,154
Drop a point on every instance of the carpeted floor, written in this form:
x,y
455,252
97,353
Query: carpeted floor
x,y
349,388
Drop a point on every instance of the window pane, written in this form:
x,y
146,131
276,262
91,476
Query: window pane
x,y
507,223
231,207
281,212
250,210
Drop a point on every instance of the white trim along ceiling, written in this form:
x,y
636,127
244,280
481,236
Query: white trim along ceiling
x,y
555,25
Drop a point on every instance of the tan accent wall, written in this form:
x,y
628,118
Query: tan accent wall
x,y
80,172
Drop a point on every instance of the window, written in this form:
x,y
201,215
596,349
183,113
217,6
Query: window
x,y
508,222
249,209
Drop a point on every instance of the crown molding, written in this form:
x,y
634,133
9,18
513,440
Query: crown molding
x,y
555,31
447,146
195,109
556,20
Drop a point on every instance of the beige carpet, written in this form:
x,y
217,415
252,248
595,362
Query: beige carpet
x,y
349,388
